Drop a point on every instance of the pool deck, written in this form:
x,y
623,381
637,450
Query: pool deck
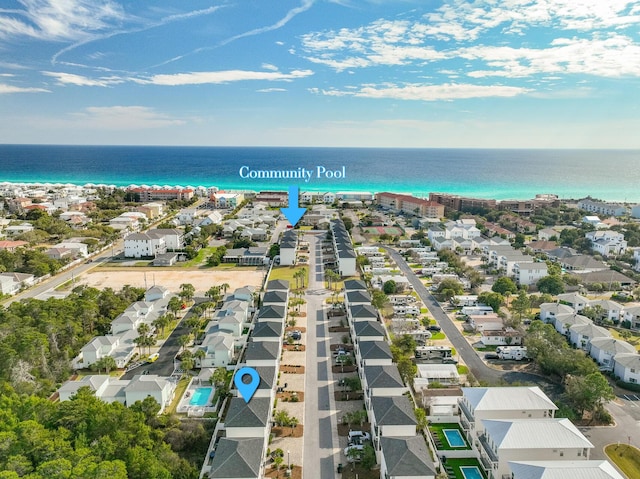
x,y
195,383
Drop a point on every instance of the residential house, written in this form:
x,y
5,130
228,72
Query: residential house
x,y
477,404
268,331
12,246
607,243
278,285
596,469
367,331
506,337
373,353
275,298
443,374
272,313
288,248
580,335
357,298
237,458
632,315
611,310
248,419
626,366
12,283
391,417
252,256
144,245
486,322
563,322
603,350
262,353
362,312
529,440
602,208
530,272
381,381
575,300
218,349
268,380
549,311
143,386
405,458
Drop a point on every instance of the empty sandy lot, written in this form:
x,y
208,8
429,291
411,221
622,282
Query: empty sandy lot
x,y
116,278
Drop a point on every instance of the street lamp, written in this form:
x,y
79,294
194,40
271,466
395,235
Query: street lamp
x,y
288,464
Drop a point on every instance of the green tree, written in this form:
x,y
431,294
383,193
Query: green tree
x,y
407,370
504,284
449,288
390,287
421,418
521,304
588,393
368,457
405,343
379,299
183,341
495,300
187,291
551,284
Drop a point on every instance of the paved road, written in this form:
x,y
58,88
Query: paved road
x,y
67,275
320,433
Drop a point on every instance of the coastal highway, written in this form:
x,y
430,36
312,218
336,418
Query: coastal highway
x,y
67,275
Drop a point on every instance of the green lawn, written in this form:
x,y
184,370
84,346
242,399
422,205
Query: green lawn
x,y
287,272
201,257
180,389
456,463
626,457
437,428
463,370
438,335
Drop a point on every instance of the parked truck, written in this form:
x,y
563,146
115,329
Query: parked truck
x,y
517,353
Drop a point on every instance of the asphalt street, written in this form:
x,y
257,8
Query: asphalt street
x,y
320,432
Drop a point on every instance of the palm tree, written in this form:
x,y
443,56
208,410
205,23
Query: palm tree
x,y
183,341
174,305
224,287
293,422
187,290
219,377
161,322
108,363
200,355
303,276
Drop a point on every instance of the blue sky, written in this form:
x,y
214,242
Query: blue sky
x,y
424,73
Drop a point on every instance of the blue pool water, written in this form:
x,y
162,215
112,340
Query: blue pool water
x,y
454,438
471,472
200,397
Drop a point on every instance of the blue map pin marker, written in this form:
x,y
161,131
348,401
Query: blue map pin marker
x,y
247,390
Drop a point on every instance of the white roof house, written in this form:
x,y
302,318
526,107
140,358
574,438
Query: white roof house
x,y
477,404
530,440
581,334
603,350
562,322
564,470
575,300
627,367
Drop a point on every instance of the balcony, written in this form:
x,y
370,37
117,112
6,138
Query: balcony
x,y
466,414
487,450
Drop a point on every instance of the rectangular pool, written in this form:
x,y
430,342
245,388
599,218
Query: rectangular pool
x,y
471,472
201,397
454,438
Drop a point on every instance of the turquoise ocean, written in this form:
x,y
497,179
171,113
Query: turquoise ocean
x,y
612,175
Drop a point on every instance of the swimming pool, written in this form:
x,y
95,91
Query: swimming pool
x,y
454,438
471,472
200,397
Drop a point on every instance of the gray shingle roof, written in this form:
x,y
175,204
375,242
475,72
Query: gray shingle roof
x,y
272,311
261,350
368,328
406,457
255,413
363,311
354,284
267,330
375,350
358,296
383,377
275,297
393,411
267,376
237,458
277,284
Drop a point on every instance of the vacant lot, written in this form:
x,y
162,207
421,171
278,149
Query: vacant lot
x,y
116,278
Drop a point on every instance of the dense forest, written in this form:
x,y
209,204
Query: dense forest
x,y
84,437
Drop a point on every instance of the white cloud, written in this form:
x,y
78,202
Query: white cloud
x,y
614,56
79,80
271,90
447,91
124,118
270,67
227,76
53,20
5,89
